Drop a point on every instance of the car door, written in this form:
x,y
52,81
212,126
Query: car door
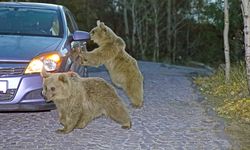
x,y
71,28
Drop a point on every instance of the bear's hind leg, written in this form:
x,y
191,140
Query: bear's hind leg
x,y
119,114
83,121
134,91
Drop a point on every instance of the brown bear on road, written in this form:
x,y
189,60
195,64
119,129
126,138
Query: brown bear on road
x,y
123,68
80,100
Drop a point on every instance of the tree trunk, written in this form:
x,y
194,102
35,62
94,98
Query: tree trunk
x,y
169,25
174,46
88,11
134,26
226,43
245,7
125,17
140,38
174,31
146,41
156,33
188,41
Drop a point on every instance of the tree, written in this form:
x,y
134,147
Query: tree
x,y
177,15
245,7
226,43
169,25
175,31
155,5
125,17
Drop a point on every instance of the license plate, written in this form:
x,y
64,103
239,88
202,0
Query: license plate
x,y
3,86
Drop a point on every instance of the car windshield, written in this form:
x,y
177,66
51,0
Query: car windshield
x,y
29,21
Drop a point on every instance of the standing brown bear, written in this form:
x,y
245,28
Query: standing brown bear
x,y
80,100
123,68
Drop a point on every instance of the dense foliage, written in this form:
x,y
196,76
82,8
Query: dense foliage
x,y
173,31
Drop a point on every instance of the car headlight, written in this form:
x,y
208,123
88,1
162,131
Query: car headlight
x,y
50,61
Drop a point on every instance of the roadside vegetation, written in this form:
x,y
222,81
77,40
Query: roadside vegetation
x,y
230,100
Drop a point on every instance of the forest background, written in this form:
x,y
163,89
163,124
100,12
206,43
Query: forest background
x,y
169,31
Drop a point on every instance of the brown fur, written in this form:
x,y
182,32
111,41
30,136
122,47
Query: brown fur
x,y
80,100
123,68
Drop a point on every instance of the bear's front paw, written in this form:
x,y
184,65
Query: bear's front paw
x,y
60,131
137,105
127,125
63,131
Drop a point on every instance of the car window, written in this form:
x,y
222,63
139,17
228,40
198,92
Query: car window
x,y
70,22
29,21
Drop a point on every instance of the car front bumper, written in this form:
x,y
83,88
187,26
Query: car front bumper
x,y
27,107
26,94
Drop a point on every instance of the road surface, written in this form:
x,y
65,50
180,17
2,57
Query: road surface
x,y
172,119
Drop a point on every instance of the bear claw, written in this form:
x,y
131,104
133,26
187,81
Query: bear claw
x,y
127,126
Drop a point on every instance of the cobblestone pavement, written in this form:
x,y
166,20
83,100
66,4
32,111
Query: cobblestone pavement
x,y
172,118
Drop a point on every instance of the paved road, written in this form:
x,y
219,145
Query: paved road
x,y
172,118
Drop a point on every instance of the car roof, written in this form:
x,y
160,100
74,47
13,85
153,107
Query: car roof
x,y
31,4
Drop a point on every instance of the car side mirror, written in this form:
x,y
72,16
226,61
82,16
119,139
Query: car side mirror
x,y
81,36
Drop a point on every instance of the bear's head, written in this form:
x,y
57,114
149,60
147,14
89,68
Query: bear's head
x,y
102,33
56,86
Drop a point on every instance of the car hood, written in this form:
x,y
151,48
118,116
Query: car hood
x,y
26,47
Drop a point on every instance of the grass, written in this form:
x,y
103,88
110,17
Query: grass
x,y
230,100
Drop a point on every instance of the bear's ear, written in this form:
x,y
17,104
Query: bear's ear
x,y
102,26
44,73
98,23
63,78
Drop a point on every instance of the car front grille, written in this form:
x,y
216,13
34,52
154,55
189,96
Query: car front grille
x,y
9,95
35,94
11,71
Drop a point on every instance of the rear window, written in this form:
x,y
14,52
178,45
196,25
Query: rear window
x,y
30,21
